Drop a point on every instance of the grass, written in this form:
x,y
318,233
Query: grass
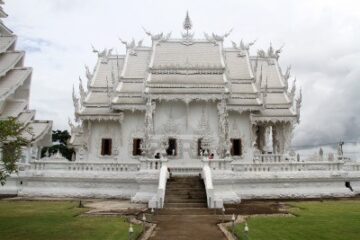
x,y
327,220
58,220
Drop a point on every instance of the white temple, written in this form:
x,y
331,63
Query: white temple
x,y
189,106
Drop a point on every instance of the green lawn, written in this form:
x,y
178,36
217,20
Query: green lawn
x,y
57,220
328,220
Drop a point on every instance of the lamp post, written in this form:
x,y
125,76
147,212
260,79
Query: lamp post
x,y
131,231
233,223
152,214
143,220
223,214
246,231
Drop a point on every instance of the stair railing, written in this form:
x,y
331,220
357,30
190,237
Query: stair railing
x,y
210,196
164,175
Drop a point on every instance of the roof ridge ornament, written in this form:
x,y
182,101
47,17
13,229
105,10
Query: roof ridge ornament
x,y
187,23
187,36
157,37
242,45
271,52
215,38
129,46
103,53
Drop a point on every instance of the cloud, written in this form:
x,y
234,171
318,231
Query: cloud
x,y
32,45
321,43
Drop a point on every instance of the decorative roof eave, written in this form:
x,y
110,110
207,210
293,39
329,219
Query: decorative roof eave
x,y
2,25
272,119
2,13
222,60
187,98
244,95
129,107
126,61
12,65
15,87
34,137
175,85
244,108
11,42
250,69
46,130
278,106
26,117
93,104
242,80
101,117
91,75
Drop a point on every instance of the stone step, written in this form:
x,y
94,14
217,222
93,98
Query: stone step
x,y
185,190
186,211
179,200
187,196
197,188
185,180
186,205
192,184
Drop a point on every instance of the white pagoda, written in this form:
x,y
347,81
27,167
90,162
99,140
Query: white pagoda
x,y
15,81
190,107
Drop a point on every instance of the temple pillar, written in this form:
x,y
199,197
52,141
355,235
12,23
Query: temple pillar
x,y
287,136
261,137
224,141
274,139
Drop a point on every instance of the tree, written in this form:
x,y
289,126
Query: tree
x,y
11,142
59,139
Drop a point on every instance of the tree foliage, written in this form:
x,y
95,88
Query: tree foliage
x,y
59,139
11,142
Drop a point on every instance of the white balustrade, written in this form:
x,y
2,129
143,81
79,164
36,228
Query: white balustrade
x,y
158,200
218,164
285,167
85,166
273,158
152,163
212,201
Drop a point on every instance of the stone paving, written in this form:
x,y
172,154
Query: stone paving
x,y
186,227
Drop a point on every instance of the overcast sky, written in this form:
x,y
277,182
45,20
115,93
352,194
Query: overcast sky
x,y
322,44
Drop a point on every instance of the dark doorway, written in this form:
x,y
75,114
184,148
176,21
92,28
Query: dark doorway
x,y
106,146
172,151
137,146
236,147
199,147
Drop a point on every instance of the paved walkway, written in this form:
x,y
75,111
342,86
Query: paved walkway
x,y
113,205
187,227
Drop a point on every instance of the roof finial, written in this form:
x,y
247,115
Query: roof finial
x,y
187,23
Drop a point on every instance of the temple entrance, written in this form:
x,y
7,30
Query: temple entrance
x,y
137,146
172,147
236,147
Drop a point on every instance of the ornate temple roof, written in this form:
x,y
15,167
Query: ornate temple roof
x,y
15,82
188,69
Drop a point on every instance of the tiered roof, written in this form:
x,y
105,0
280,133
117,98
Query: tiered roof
x,y
189,69
15,82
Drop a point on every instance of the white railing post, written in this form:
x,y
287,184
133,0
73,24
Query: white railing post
x,y
207,177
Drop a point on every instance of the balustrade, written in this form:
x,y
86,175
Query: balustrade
x,y
85,166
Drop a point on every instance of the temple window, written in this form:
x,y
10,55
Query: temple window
x,y
171,150
137,146
236,147
106,146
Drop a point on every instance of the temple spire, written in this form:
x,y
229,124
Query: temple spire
x,y
187,23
